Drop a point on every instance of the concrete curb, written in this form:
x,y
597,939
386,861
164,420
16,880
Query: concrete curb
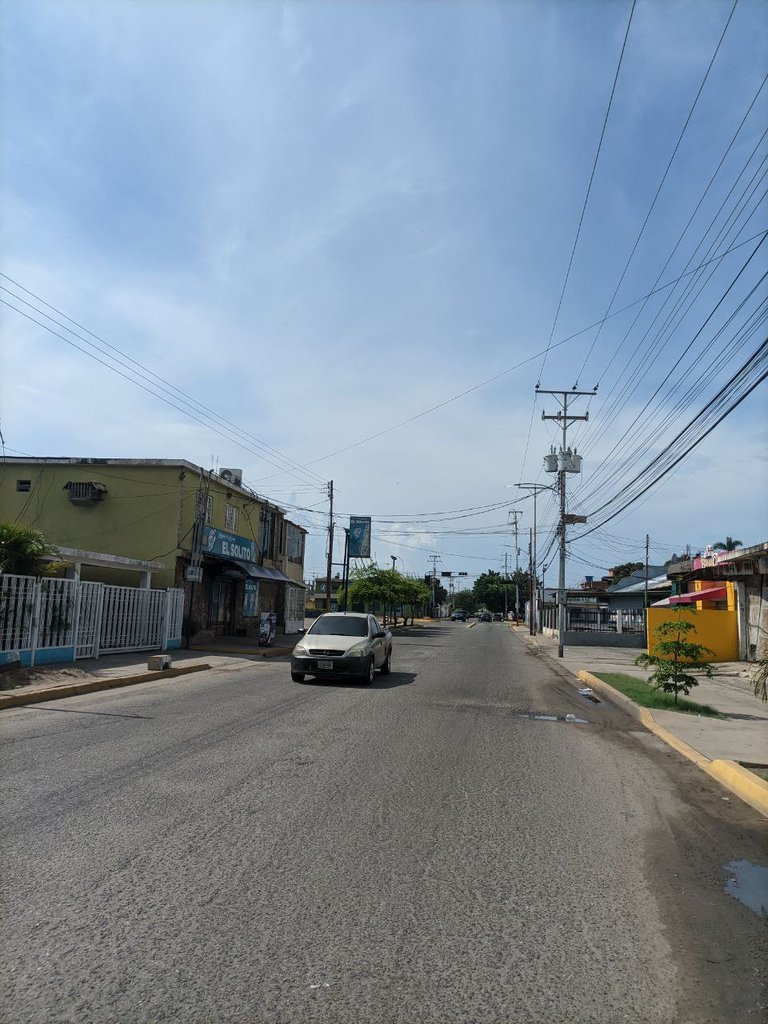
x,y
17,700
743,783
267,652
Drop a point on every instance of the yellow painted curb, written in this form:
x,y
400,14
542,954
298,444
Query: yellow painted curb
x,y
17,700
743,783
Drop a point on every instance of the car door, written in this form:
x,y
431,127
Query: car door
x,y
379,652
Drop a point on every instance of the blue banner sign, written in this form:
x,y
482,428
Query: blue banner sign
x,y
250,599
359,536
228,545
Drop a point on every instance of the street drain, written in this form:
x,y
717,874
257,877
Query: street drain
x,y
586,691
748,883
535,716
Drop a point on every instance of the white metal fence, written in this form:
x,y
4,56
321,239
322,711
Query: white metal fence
x,y
85,618
590,619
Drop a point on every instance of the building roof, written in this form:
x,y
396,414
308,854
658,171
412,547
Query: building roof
x,y
638,576
637,587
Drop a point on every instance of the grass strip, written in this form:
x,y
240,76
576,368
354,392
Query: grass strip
x,y
644,694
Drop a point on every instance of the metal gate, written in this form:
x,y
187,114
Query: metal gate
x,y
89,620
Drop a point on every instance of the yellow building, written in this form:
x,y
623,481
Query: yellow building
x,y
116,520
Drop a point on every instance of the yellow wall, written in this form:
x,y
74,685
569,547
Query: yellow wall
x,y
717,630
146,513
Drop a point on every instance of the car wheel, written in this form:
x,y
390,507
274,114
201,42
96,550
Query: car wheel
x,y
368,677
386,668
297,677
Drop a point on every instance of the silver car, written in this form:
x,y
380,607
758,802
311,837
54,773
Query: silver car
x,y
343,644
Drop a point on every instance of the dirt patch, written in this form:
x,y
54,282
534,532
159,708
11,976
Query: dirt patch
x,y
11,678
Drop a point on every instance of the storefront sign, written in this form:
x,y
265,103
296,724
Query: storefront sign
x,y
359,536
250,599
228,545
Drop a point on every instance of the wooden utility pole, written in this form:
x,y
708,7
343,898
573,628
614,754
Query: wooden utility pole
x,y
329,573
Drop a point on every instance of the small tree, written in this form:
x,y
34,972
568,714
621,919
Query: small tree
x,y
676,656
23,550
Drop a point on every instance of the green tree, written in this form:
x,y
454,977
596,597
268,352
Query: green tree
x,y
23,550
414,595
677,656
372,585
489,591
729,544
625,569
490,586
465,599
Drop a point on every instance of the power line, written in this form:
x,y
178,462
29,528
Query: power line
x,y
589,190
152,390
154,379
660,186
517,366
756,360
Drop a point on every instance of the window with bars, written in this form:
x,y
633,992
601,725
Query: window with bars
x,y
204,502
230,518
294,543
23,485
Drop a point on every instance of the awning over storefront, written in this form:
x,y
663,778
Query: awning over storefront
x,y
261,572
710,594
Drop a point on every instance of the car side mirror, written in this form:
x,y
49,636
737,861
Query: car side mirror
x,y
380,634
302,629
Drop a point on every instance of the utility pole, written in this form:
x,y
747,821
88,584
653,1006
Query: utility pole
x,y
567,461
517,568
645,588
506,574
194,571
434,559
531,577
329,572
345,577
534,588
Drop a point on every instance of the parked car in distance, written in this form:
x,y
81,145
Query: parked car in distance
x,y
343,644
486,617
498,617
459,615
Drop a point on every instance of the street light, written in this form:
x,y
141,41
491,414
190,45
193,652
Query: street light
x,y
535,488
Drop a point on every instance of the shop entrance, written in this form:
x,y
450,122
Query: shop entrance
x,y
222,605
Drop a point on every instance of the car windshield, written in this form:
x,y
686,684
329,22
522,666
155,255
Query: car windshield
x,y
340,625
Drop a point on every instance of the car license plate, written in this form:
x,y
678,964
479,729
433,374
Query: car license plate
x,y
325,664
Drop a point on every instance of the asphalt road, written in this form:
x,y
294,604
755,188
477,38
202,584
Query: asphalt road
x,y
232,846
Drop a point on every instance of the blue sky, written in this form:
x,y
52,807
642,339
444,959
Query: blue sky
x,y
321,219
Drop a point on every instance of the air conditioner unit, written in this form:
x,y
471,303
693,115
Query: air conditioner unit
x,y
232,476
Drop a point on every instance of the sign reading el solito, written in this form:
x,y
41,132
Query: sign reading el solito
x,y
229,545
359,536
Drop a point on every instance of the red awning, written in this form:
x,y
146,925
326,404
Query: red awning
x,y
710,594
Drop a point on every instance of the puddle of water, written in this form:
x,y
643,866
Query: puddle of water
x,y
748,883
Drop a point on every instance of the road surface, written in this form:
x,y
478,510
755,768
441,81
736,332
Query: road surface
x,y
232,846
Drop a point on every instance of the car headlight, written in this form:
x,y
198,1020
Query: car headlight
x,y
300,651
358,651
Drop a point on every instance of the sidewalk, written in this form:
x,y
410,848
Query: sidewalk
x,y
49,682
